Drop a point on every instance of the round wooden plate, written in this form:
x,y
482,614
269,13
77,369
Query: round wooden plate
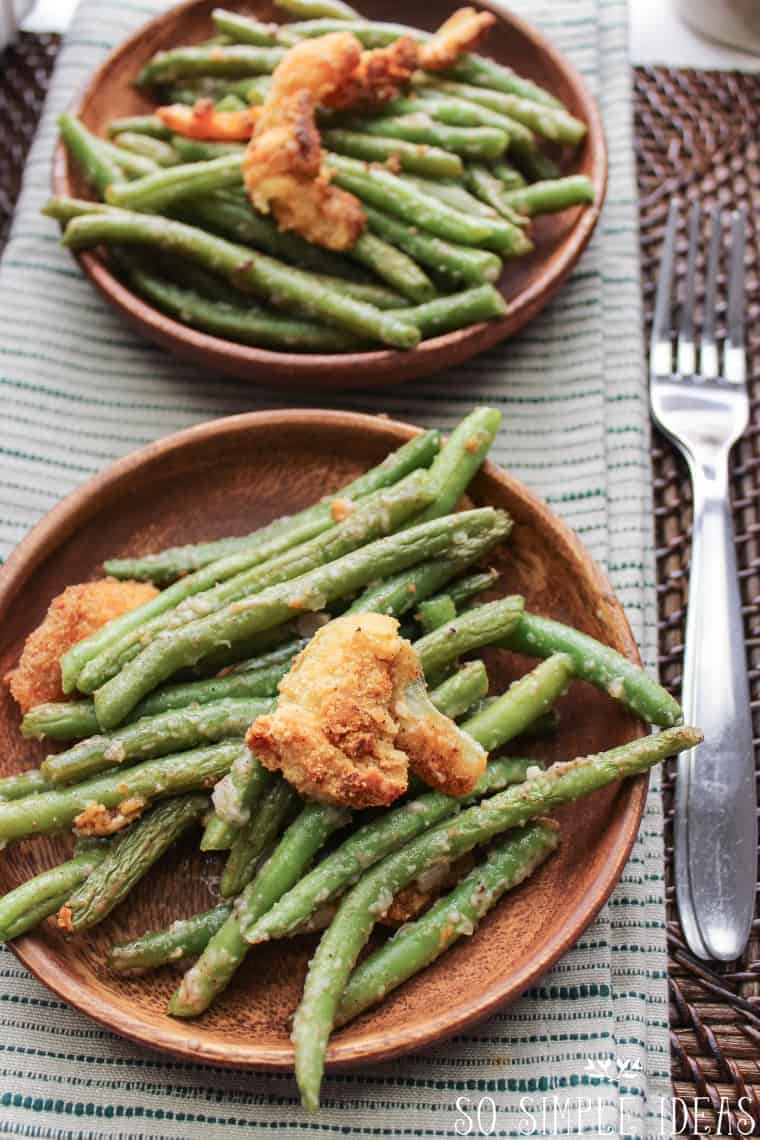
x,y
527,283
226,477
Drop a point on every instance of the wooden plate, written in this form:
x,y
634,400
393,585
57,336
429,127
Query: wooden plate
x,y
225,478
527,283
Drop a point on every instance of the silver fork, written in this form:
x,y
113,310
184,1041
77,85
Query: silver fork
x,y
704,408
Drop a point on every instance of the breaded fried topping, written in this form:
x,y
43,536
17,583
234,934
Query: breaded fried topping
x,y
353,717
76,613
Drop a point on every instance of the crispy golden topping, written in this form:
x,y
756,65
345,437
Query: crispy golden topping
x,y
283,164
203,121
76,613
340,509
462,31
63,918
97,819
352,718
379,77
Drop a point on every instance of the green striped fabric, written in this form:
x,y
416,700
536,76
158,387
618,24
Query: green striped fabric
x,y
79,389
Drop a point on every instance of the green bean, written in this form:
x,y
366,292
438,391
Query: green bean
x,y
596,663
280,654
360,908
509,176
421,128
163,188
189,93
480,71
237,220
278,805
435,612
463,113
185,938
234,797
393,266
98,168
400,593
534,164
311,9
21,784
550,197
381,513
202,150
459,459
553,123
490,189
57,810
417,944
174,562
523,703
466,588
370,33
430,160
237,684
457,310
131,165
284,867
140,124
462,690
275,605
186,62
366,846
64,209
226,656
402,198
462,263
246,323
254,91
488,624
291,287
243,29
147,146
231,102
32,901
128,860
72,720
152,736
454,194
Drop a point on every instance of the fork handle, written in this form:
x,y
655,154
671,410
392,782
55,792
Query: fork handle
x,y
716,812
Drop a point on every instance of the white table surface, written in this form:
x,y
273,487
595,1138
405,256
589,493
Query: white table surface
x,y
657,35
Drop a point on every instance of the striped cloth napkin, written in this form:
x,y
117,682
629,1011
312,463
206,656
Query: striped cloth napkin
x,y
585,1050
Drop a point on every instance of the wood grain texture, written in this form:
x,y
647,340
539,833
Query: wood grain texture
x,y
527,283
227,477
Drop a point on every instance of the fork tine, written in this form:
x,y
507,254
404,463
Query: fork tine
x,y
709,366
734,368
660,351
686,357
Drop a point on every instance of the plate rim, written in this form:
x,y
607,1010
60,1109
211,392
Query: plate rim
x,y
178,1038
457,345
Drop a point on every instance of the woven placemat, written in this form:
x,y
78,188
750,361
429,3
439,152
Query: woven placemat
x,y
696,136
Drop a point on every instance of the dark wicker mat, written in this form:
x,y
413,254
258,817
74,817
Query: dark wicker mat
x,y
696,137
